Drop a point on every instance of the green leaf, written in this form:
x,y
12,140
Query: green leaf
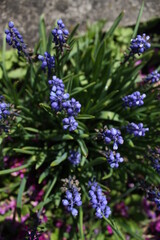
x,y
80,89
83,147
73,33
67,137
85,116
108,115
49,44
58,160
23,150
42,30
8,171
95,162
81,222
40,159
19,197
43,176
18,73
114,26
34,130
115,228
51,186
42,204
138,20
98,61
46,107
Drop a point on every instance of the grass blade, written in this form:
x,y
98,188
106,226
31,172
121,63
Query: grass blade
x,y
19,197
138,20
114,26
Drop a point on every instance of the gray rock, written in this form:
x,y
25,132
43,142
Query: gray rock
x,y
26,13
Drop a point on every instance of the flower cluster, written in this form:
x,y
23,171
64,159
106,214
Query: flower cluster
x,y
98,200
72,196
114,159
153,77
48,61
15,39
60,101
74,157
112,135
56,84
4,109
60,34
70,123
72,107
134,99
7,206
4,114
57,94
154,156
139,44
154,195
137,129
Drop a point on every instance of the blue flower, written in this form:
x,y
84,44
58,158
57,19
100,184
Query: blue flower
x,y
70,123
48,61
5,113
59,101
139,44
15,39
72,196
72,107
57,97
98,200
135,99
114,159
137,129
74,157
153,77
112,135
154,195
154,156
60,34
57,94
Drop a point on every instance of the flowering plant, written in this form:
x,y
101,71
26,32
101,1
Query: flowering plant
x,y
82,128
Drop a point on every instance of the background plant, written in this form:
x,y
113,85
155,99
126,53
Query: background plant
x,y
37,148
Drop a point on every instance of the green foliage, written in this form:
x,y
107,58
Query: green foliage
x,y
93,74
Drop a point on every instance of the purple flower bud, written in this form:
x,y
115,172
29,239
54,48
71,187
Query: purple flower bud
x,y
11,24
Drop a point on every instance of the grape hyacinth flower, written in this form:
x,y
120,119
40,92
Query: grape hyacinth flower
x,y
153,77
98,200
154,196
48,61
112,135
57,83
70,123
72,196
134,99
154,156
60,35
137,129
4,109
57,96
74,157
15,39
59,101
72,107
139,44
114,159
4,114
